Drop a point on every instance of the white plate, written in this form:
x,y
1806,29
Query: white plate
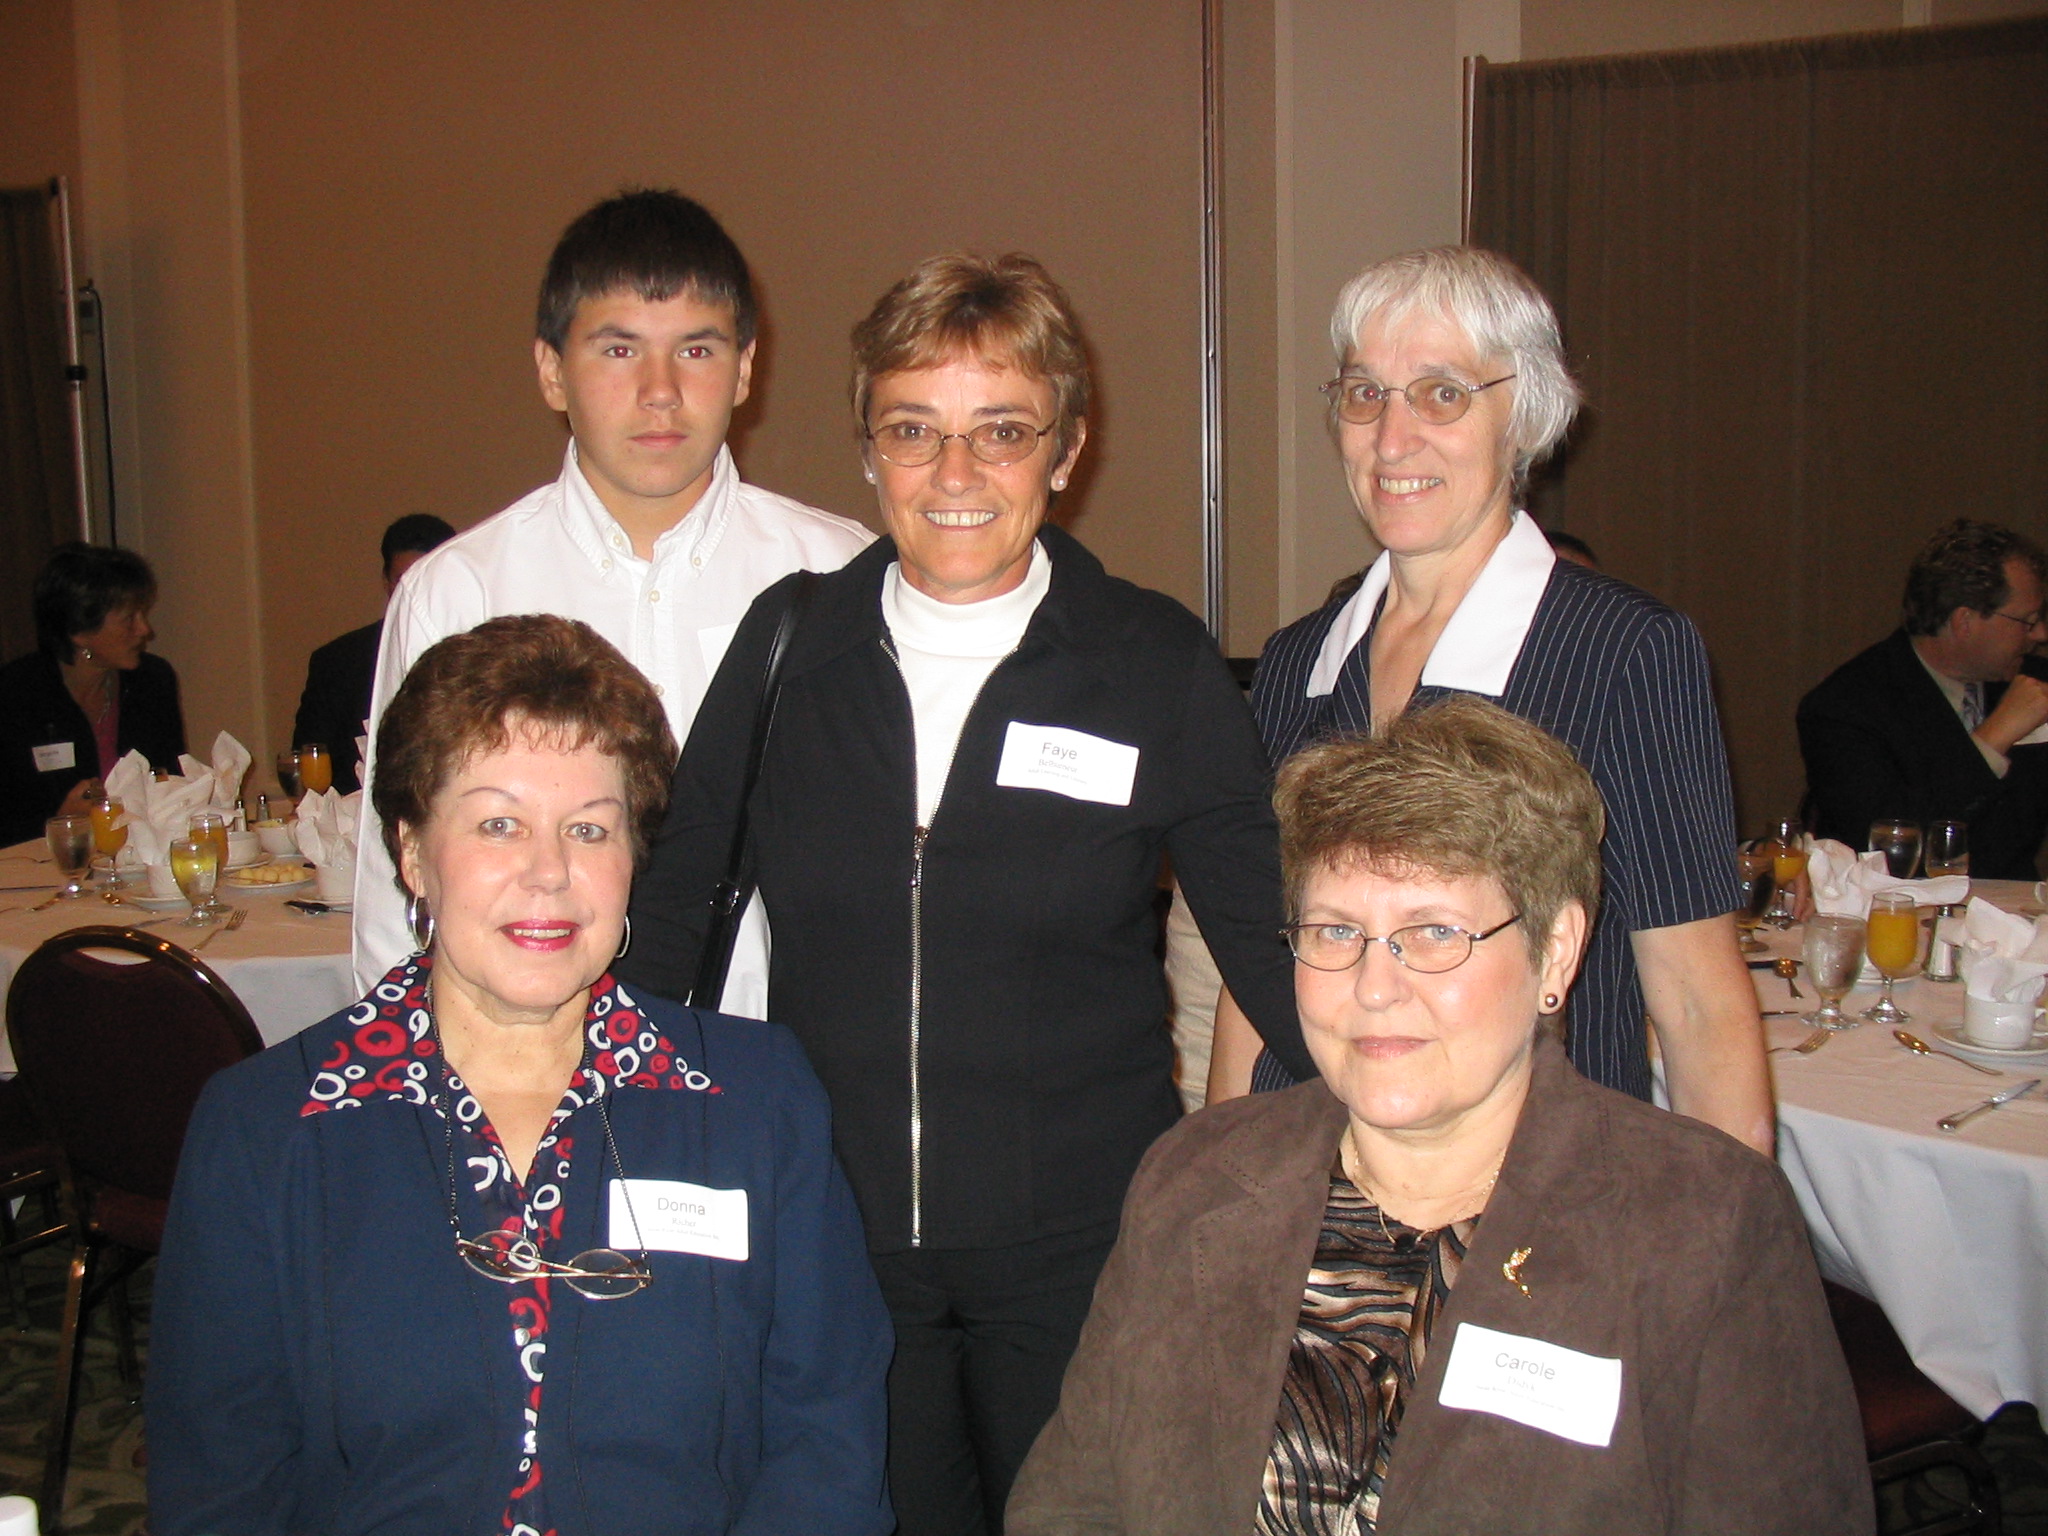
x,y
1953,1034
158,903
230,883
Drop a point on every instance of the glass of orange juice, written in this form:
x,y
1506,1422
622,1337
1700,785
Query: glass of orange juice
x,y
109,835
1787,847
316,767
1893,944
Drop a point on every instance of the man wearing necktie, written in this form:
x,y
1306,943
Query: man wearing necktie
x,y
1937,720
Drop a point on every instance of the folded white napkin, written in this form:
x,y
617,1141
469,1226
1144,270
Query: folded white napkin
x,y
326,827
1843,880
160,813
230,765
2004,957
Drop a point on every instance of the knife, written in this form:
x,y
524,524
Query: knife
x,y
1956,1121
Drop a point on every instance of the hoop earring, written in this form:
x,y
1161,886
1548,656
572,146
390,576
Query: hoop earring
x,y
1552,1002
626,942
419,922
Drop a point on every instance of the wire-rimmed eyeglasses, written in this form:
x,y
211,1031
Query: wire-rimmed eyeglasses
x,y
913,444
2026,621
1430,948
602,1274
1435,399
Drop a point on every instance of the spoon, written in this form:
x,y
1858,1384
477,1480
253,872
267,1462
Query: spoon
x,y
1920,1047
1788,968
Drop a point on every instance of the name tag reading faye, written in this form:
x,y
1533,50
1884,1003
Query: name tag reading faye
x,y
669,1216
1070,763
1542,1385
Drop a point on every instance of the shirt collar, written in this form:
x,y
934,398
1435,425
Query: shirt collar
x,y
1477,650
389,1052
599,535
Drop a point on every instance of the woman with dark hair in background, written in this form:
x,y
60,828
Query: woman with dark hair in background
x,y
89,693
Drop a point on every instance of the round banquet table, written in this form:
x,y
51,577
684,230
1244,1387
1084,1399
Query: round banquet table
x,y
289,969
1948,1232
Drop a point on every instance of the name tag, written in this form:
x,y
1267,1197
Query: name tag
x,y
1542,1385
58,754
669,1216
1070,763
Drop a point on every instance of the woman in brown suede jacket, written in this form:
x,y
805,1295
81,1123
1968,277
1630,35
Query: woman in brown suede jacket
x,y
1451,1287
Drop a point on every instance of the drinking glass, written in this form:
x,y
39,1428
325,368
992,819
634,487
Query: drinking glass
x,y
288,772
1899,842
1834,953
1947,848
1787,845
1893,944
195,865
70,840
316,768
109,834
1759,885
212,827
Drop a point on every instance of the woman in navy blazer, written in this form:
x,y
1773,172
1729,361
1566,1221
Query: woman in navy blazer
x,y
506,1246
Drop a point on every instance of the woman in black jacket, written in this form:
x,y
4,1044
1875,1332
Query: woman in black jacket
x,y
983,746
89,693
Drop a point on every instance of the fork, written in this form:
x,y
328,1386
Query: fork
x,y
1806,1047
235,919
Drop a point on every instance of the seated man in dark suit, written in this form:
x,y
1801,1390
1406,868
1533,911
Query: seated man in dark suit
x,y
1937,720
336,700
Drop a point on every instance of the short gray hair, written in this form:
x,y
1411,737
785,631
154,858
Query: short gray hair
x,y
1499,308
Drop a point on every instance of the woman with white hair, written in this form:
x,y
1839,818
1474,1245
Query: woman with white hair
x,y
1451,385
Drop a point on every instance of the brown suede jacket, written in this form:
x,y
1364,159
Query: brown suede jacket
x,y
1651,1238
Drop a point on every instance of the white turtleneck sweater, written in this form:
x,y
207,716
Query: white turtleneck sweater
x,y
947,651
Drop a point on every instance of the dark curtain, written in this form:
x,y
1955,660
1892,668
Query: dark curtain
x,y
38,494
1806,286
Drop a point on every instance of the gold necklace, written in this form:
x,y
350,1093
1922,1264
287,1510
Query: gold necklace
x,y
1354,1170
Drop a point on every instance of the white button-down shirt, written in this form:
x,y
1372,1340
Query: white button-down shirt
x,y
559,551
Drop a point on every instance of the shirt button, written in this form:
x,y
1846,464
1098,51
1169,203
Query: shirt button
x,y
698,561
654,597
618,541
604,565
659,691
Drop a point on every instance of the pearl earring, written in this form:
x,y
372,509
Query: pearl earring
x,y
1552,1002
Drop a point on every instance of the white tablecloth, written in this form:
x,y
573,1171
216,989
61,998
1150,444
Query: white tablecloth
x,y
288,968
1947,1232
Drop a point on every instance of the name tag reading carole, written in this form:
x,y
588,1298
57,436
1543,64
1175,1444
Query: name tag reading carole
x,y
1543,1385
58,754
669,1216
1070,763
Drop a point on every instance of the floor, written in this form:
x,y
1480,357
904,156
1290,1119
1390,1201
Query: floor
x,y
105,1492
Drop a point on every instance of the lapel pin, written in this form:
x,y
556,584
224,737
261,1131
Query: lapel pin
x,y
1513,1270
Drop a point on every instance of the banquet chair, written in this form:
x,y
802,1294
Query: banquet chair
x,y
29,1165
1910,1424
114,1052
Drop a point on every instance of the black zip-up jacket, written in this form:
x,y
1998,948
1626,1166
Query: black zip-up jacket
x,y
993,1038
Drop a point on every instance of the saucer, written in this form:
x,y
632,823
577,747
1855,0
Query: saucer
x,y
158,903
1953,1035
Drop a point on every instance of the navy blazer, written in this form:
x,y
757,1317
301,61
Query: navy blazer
x,y
1881,739
321,1360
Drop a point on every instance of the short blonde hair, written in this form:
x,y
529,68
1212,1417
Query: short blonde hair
x,y
1005,311
1457,789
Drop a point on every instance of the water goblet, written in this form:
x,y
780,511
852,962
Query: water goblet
x,y
70,840
1947,848
1899,842
288,772
1893,944
212,827
1833,951
195,865
1759,886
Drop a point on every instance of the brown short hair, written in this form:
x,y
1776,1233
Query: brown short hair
x,y
1963,566
1005,311
1456,789
556,677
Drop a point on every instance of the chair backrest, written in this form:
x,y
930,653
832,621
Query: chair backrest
x,y
114,1052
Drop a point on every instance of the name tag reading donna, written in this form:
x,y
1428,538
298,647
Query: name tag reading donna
x,y
1067,762
1542,1385
669,1216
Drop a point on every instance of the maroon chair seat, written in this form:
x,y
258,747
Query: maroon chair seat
x,y
113,1054
1909,1423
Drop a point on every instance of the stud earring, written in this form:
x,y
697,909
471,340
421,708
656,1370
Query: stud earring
x,y
85,653
1552,1002
419,922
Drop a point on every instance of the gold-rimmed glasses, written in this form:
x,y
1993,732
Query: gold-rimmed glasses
x,y
1435,399
913,444
602,1274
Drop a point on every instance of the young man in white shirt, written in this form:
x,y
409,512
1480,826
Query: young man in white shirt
x,y
645,340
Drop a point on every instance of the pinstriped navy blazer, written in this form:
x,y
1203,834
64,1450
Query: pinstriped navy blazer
x,y
1622,680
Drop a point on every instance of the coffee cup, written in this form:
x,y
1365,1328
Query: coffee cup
x,y
243,848
276,837
336,882
2000,1025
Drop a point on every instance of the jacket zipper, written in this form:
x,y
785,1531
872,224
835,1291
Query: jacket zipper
x,y
918,838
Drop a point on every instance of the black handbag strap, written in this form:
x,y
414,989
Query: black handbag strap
x,y
729,899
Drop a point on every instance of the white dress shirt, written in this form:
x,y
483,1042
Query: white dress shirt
x,y
557,550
